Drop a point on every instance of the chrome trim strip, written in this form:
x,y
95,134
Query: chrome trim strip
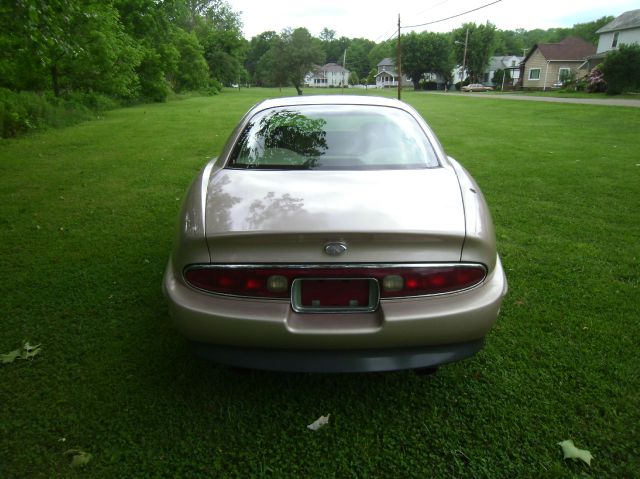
x,y
335,265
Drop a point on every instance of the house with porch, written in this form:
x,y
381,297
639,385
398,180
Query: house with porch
x,y
329,75
547,64
387,76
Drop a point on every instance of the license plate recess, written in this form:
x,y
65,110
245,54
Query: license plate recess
x,y
333,295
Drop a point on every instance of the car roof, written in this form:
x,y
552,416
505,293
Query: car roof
x,y
332,100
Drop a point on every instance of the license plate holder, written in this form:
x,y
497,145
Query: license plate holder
x,y
335,295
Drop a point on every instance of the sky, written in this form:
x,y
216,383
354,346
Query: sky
x,y
378,20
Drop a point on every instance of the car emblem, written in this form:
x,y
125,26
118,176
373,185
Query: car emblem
x,y
335,249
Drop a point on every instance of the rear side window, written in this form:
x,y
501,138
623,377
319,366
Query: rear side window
x,y
333,137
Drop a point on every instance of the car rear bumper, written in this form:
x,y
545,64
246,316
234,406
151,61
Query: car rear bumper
x,y
337,360
418,332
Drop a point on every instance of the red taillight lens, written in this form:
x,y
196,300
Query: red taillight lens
x,y
395,281
240,281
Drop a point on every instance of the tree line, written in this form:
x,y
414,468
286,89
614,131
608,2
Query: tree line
x,y
127,49
426,52
147,49
95,52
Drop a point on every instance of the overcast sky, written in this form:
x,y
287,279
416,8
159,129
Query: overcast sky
x,y
377,20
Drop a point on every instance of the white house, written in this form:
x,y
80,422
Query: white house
x,y
622,30
329,75
508,62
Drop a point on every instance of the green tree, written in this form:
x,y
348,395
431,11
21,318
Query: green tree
x,y
587,31
426,52
371,78
382,50
501,75
621,69
219,30
300,52
192,72
66,46
480,47
358,56
272,66
510,42
152,25
258,47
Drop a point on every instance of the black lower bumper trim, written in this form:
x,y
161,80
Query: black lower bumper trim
x,y
337,360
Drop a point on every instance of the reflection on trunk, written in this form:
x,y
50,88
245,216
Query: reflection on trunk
x,y
220,204
271,207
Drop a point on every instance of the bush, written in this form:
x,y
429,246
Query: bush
x,y
621,70
24,111
595,82
21,111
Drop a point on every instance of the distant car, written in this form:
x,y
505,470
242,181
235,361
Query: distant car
x,y
333,234
476,87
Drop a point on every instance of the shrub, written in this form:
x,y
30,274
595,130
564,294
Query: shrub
x,y
24,111
621,70
595,82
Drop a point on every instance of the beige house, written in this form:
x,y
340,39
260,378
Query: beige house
x,y
547,64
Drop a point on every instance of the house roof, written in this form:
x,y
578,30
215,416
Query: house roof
x,y
627,20
332,67
569,49
501,62
386,61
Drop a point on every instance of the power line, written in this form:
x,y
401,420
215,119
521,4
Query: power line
x,y
453,16
431,7
395,30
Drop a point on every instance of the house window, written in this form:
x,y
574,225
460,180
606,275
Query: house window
x,y
614,43
564,74
534,74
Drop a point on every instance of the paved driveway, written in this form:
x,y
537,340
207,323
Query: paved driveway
x,y
584,101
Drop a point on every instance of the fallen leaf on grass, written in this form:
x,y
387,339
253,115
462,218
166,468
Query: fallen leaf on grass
x,y
318,423
572,452
9,357
78,458
26,352
29,351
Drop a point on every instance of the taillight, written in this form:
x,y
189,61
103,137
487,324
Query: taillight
x,y
395,281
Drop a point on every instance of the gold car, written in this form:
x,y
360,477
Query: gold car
x,y
334,234
476,87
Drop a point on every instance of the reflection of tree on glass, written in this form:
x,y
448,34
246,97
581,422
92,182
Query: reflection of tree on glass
x,y
294,131
283,138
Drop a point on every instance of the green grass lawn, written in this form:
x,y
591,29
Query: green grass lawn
x,y
553,93
87,215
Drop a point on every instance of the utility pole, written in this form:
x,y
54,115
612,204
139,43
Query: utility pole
x,y
464,57
344,67
399,55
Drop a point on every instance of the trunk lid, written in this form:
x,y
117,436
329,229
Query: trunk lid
x,y
264,216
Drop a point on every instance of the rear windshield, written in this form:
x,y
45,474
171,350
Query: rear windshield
x,y
333,137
